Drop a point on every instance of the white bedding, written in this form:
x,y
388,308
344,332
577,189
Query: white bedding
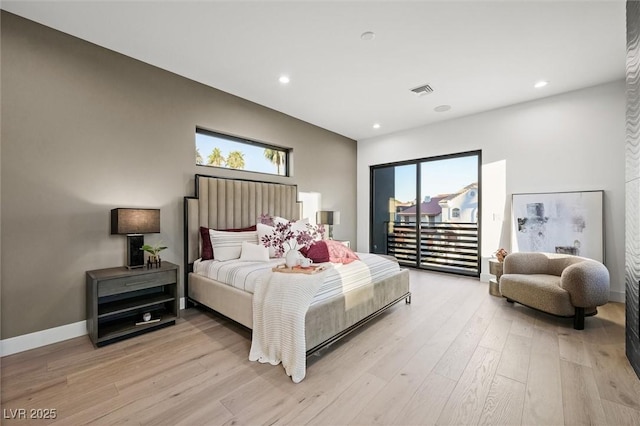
x,y
339,279
280,304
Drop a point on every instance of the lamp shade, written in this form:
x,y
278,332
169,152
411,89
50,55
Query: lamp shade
x,y
325,217
135,221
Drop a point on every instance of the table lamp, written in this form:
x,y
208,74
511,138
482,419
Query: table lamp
x,y
134,223
329,218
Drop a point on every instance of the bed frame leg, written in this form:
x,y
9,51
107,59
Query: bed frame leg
x,y
407,300
578,319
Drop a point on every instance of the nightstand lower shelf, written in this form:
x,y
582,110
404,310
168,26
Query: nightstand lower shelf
x,y
132,304
126,327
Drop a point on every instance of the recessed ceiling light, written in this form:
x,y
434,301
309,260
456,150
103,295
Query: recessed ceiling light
x,y
376,126
442,108
368,35
284,79
540,84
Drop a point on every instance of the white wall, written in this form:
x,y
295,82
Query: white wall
x,y
569,142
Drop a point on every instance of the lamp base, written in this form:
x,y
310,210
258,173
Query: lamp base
x,y
135,255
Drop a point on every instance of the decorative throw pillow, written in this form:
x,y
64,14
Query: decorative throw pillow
x,y
207,250
287,235
279,219
339,253
298,228
279,238
318,252
265,233
265,219
270,220
227,245
254,252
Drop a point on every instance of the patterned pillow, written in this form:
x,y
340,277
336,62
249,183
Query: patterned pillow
x,y
287,235
339,253
264,233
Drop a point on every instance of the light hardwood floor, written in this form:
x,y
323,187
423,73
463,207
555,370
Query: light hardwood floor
x,y
456,355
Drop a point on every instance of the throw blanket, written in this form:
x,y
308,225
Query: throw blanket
x,y
280,304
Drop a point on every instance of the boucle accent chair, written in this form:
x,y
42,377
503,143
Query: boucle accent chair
x,y
558,284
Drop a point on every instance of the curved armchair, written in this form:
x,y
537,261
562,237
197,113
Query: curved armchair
x,y
559,284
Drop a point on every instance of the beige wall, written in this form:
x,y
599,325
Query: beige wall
x,y
85,130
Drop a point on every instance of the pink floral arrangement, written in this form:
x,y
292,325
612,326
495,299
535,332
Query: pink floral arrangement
x,y
286,235
501,254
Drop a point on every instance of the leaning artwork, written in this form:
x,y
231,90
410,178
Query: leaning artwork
x,y
559,222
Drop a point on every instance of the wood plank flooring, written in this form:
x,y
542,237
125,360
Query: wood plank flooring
x,y
455,356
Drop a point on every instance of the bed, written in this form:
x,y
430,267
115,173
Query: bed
x,y
221,203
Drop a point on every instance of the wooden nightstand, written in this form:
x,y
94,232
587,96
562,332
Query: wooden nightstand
x,y
117,299
495,268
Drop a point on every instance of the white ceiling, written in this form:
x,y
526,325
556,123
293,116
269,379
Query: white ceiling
x,y
477,55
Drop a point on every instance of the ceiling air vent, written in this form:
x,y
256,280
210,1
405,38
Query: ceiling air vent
x,y
422,90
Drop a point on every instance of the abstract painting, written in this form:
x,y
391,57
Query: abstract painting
x,y
559,222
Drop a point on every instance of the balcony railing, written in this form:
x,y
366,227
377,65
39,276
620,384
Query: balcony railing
x,y
449,247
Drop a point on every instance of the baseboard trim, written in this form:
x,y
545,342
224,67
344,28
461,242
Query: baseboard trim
x,y
486,277
37,339
617,296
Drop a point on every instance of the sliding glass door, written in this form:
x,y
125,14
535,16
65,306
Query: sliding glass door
x,y
395,190
426,212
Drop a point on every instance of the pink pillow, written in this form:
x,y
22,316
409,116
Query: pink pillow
x,y
207,249
339,253
318,252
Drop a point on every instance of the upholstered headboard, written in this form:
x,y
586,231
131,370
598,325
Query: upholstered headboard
x,y
230,203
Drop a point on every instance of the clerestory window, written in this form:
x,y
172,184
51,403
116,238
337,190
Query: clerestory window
x,y
231,152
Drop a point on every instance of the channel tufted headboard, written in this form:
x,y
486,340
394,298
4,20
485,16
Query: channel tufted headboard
x,y
221,203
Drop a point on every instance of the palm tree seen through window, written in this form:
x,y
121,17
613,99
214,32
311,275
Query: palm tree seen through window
x,y
219,150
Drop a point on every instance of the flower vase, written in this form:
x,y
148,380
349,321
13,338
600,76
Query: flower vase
x,y
292,258
154,261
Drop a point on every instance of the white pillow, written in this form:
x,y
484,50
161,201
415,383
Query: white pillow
x,y
228,245
278,219
254,252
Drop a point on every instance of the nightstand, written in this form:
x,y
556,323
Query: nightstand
x,y
117,299
495,268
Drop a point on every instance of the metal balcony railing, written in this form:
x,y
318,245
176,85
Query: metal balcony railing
x,y
448,247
